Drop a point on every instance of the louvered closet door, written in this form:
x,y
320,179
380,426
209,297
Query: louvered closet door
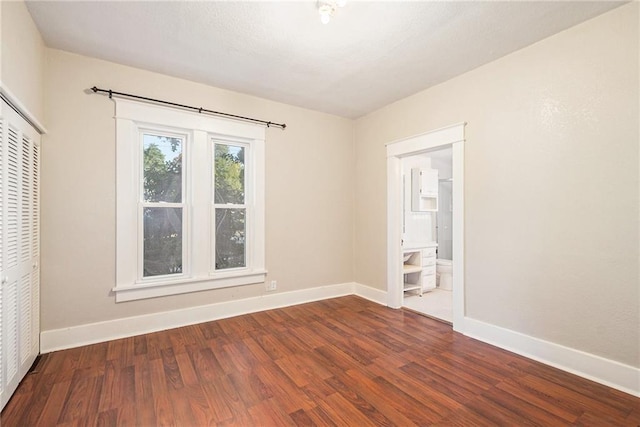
x,y
19,250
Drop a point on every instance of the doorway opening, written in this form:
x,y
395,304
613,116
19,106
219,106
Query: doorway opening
x,y
425,178
427,215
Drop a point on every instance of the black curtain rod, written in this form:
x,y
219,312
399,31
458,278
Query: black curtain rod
x,y
113,93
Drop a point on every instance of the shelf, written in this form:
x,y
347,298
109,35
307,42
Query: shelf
x,y
411,268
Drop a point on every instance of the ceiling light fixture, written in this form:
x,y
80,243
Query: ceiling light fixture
x,y
327,8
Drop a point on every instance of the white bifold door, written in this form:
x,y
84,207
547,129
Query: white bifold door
x,y
19,249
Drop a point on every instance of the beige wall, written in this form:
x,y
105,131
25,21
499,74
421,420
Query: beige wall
x,y
309,191
22,56
551,185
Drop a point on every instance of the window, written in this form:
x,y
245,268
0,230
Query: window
x,y
229,206
190,202
162,205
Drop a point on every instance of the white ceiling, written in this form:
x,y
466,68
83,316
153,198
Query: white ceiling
x,y
369,55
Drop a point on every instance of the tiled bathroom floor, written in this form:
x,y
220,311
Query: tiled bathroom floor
x,y
437,303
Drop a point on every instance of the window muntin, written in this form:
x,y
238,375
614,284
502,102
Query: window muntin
x,y
162,205
229,205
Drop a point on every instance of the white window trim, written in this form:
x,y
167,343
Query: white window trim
x,y
198,271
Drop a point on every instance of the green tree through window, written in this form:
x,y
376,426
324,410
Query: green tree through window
x,y
230,220
162,224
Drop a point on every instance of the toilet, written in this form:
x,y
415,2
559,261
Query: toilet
x,y
444,274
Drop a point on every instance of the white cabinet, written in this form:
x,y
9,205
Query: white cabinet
x,y
428,269
419,270
424,190
19,249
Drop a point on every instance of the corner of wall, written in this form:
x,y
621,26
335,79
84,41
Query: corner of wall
x,y
354,204
22,57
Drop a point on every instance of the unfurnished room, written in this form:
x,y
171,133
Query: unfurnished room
x,y
319,212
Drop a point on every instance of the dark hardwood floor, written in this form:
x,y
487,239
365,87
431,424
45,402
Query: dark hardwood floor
x,y
339,362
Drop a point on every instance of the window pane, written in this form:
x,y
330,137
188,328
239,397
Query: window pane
x,y
230,238
162,241
162,169
229,174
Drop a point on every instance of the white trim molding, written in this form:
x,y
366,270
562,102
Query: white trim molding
x,y
192,284
425,141
372,294
604,371
91,333
450,136
21,109
599,369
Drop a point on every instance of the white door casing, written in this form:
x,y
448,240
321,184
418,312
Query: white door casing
x,y
451,136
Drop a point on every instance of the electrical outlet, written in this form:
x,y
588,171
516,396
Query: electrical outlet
x,y
271,286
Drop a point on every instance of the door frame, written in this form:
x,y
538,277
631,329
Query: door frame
x,y
450,136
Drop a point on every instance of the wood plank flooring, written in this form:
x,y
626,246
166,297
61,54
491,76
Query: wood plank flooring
x,y
338,362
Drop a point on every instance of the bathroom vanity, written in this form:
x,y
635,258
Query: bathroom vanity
x,y
419,269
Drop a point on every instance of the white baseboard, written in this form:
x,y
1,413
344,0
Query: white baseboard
x,y
608,372
604,371
75,336
372,294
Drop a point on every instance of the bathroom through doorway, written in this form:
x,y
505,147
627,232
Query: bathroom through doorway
x,y
427,219
413,199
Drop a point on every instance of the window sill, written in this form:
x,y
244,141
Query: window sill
x,y
146,290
